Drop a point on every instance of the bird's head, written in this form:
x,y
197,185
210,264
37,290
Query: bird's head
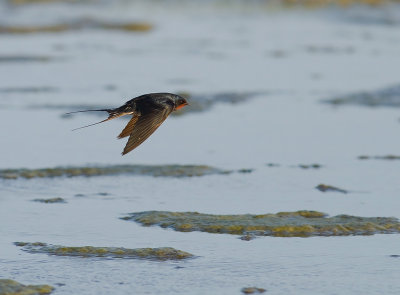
x,y
179,102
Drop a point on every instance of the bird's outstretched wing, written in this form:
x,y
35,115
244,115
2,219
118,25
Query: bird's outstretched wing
x,y
142,126
129,127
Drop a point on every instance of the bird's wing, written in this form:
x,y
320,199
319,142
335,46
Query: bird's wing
x,y
129,127
142,127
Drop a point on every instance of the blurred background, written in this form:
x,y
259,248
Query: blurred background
x,y
294,93
61,56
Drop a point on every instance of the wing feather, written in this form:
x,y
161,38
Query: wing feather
x,y
129,127
144,126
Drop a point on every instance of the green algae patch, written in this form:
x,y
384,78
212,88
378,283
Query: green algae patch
x,y
78,24
252,290
283,224
313,166
329,188
11,287
273,165
303,213
33,29
128,27
309,166
25,58
148,170
165,253
385,157
50,201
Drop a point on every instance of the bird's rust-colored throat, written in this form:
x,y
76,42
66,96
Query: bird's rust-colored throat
x,y
181,106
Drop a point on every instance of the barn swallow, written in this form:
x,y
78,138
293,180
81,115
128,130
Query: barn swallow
x,y
148,112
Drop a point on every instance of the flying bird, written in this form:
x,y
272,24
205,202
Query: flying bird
x,y
148,112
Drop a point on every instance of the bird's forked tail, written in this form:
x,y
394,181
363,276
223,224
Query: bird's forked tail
x,y
112,114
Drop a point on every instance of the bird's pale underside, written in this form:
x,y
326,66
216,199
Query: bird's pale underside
x,y
148,112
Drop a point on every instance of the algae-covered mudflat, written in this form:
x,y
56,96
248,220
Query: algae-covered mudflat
x,y
150,170
165,253
282,224
280,177
11,287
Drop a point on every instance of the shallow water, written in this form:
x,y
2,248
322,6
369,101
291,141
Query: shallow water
x,y
293,59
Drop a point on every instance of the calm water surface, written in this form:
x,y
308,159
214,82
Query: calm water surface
x,y
292,58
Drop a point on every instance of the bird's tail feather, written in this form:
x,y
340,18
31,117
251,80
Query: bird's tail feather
x,y
112,115
92,124
102,110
